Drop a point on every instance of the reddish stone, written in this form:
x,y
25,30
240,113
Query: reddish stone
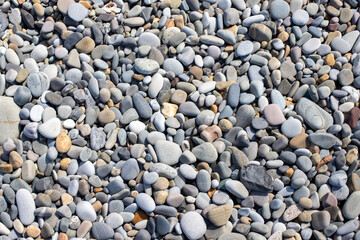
x,y
353,117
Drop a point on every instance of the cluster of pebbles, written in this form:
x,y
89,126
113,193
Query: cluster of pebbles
x,y
179,119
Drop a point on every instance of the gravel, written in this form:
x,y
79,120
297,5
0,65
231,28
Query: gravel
x,y
229,119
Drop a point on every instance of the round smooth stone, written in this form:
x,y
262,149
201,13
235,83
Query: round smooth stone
x,y
36,113
50,129
273,114
148,39
244,48
173,65
300,17
39,53
145,202
311,46
279,9
193,225
102,231
77,12
291,127
26,206
150,178
22,96
85,211
37,83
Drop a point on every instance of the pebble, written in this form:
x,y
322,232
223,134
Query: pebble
x,y
350,210
314,116
85,211
236,188
311,46
77,12
300,17
244,48
279,9
26,206
167,152
50,129
193,225
102,231
273,114
145,202
146,66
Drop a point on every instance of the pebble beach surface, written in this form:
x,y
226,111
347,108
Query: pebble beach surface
x,y
179,119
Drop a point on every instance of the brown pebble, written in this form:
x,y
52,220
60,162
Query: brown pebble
x,y
160,197
97,206
6,168
225,125
220,215
83,187
106,116
351,156
169,110
245,220
305,216
289,172
353,117
66,199
15,160
32,231
63,236
63,143
211,133
355,180
179,96
85,45
299,141
140,215
330,60
196,71
83,229
64,163
132,233
161,184
305,203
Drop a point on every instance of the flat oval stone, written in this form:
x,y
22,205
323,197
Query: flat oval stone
x,y
220,215
168,152
324,140
279,9
300,17
339,44
146,66
50,129
130,170
244,48
148,39
85,211
311,46
102,231
205,152
291,128
236,188
77,12
351,207
145,202
26,206
273,114
37,83
193,225
316,117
